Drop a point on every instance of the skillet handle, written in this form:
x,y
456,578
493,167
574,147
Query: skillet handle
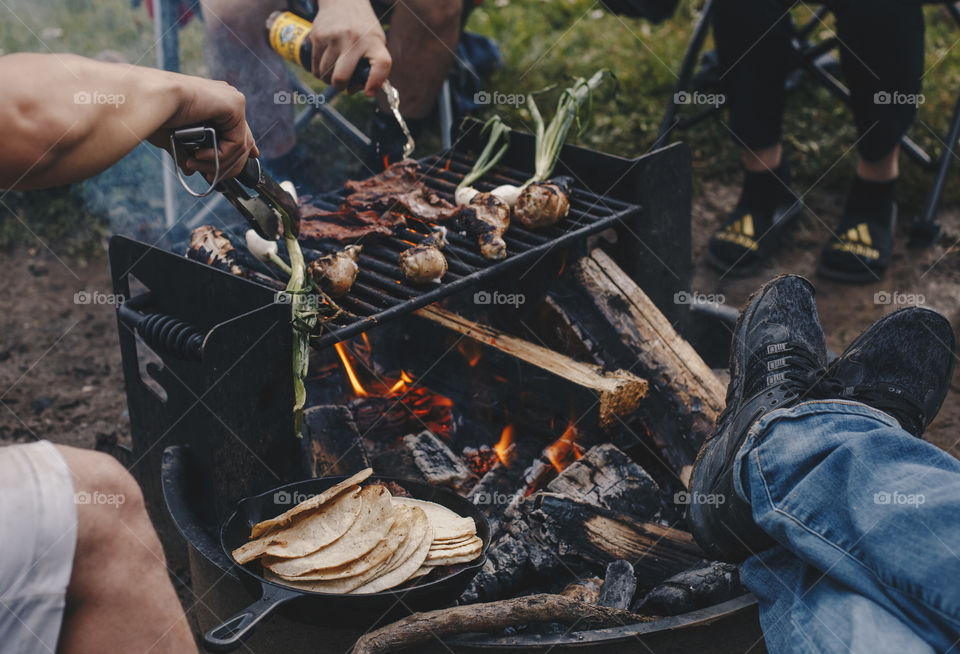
x,y
229,635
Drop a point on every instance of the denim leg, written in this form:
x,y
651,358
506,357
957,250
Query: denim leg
x,y
853,496
803,610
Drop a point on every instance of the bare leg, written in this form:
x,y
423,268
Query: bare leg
x,y
237,52
422,41
120,598
760,161
882,170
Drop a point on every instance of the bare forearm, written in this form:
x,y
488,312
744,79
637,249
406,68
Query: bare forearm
x,y
68,117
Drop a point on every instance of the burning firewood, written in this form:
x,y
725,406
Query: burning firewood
x,y
422,628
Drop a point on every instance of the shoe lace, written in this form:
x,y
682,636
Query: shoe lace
x,y
791,366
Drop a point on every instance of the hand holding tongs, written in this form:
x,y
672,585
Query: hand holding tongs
x,y
262,210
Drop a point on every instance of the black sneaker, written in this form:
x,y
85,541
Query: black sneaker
x,y
901,365
860,250
778,355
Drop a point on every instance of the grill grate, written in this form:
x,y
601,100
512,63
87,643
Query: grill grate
x,y
380,294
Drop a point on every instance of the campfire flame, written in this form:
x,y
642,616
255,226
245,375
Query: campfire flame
x,y
564,451
358,388
504,447
432,409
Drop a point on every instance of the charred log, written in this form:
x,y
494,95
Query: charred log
x,y
619,586
697,588
437,463
331,442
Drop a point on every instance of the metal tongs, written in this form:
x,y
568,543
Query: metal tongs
x,y
263,208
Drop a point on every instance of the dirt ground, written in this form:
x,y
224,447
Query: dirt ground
x,y
61,378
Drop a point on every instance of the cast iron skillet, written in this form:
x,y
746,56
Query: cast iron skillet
x,y
336,609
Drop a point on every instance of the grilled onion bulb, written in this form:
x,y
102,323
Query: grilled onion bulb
x,y
335,273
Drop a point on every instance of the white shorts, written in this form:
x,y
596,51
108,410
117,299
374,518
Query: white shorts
x,y
38,536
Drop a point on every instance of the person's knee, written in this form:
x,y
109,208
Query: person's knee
x,y
108,497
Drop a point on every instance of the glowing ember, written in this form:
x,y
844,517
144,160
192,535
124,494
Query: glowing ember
x,y
504,447
564,451
471,352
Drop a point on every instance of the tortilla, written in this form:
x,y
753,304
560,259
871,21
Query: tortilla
x,y
371,526
372,559
466,545
346,584
447,524
310,533
407,563
309,504
452,560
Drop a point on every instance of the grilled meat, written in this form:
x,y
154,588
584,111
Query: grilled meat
x,y
487,217
377,205
335,273
346,224
542,204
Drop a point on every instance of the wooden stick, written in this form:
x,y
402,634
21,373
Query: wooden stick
x,y
421,628
620,392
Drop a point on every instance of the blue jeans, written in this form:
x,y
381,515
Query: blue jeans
x,y
867,520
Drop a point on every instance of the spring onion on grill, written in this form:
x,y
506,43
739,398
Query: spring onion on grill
x,y
485,215
265,251
539,202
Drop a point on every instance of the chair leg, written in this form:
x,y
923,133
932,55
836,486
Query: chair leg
x,y
445,113
687,69
925,230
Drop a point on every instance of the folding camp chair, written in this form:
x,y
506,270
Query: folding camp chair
x,y
814,58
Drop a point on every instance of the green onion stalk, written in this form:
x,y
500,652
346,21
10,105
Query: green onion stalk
x,y
497,144
549,138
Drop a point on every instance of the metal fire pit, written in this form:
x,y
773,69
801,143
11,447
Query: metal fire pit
x,y
206,368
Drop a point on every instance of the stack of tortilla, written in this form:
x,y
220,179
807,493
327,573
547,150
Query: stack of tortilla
x,y
350,539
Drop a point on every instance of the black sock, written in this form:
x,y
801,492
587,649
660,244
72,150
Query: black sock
x,y
871,202
764,191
